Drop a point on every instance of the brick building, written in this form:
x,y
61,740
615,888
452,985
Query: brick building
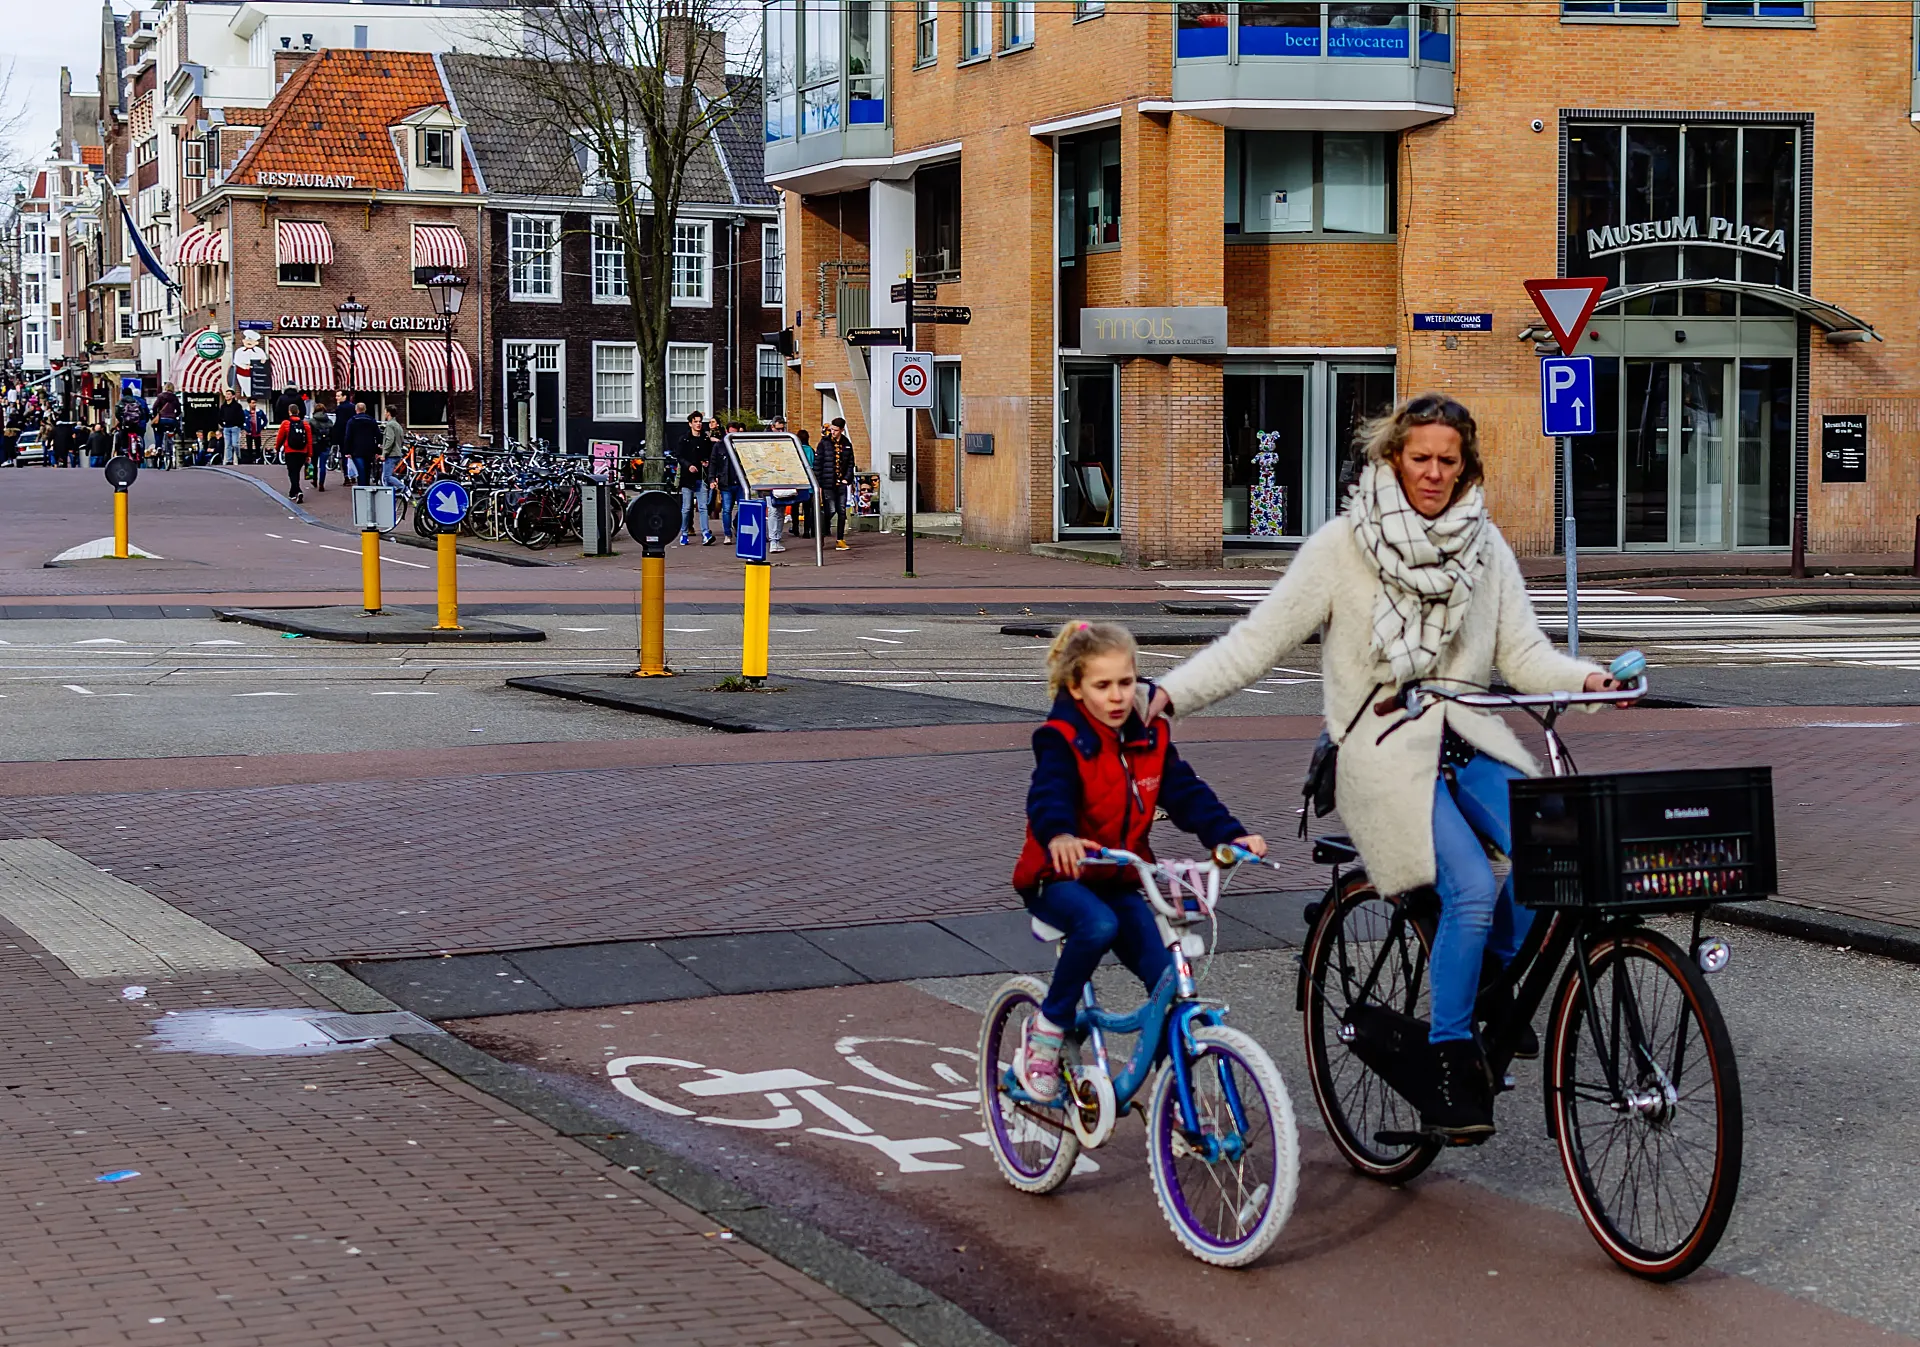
x,y
1202,242
359,176
557,288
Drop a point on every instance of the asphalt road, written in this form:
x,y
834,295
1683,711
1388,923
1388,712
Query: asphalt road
x,y
1482,1249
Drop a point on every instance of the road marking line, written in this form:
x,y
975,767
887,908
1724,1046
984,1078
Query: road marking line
x,y
101,640
879,640
75,687
689,631
586,629
898,631
221,642
354,552
795,631
266,694
403,692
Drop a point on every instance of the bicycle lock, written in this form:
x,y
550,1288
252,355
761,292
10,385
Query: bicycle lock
x,y
121,471
652,518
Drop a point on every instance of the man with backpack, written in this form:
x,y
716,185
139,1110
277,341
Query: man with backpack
x,y
295,443
166,425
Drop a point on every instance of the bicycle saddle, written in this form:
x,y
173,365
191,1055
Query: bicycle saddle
x,y
1334,849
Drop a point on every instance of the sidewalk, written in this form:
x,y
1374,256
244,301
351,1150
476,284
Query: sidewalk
x,y
355,1197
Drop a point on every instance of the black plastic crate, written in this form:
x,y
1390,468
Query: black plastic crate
x,y
1644,841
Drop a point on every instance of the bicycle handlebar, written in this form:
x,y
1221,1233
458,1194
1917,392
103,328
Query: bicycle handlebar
x,y
1411,697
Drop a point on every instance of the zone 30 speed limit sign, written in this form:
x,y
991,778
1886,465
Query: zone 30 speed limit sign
x,y
913,379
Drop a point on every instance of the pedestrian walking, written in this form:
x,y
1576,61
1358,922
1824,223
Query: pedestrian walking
x,y
99,446
362,444
806,510
393,443
255,425
233,424
833,469
166,425
725,484
295,443
690,466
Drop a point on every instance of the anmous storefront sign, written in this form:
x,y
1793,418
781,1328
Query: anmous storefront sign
x,y
1186,330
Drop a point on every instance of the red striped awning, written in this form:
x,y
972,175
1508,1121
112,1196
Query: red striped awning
x,y
375,365
438,245
201,246
300,361
304,241
427,367
193,372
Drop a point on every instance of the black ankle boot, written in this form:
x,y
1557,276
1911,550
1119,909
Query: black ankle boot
x,y
1493,1003
1460,1107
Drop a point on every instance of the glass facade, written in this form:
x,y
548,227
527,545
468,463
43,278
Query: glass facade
x,y
1310,182
826,66
1258,29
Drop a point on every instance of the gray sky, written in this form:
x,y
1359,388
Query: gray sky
x,y
40,37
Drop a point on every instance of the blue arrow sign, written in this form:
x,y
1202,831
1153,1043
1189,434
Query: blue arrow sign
x,y
1566,395
447,503
750,531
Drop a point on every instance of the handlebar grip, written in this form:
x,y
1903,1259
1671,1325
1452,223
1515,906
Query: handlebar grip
x,y
1386,706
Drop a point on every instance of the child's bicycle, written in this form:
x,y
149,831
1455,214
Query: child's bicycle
x,y
1221,1143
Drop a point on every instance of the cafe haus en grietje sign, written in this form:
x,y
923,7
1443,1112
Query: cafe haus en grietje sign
x,y
1716,233
330,322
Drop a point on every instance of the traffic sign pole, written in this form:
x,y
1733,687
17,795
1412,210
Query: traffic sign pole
x,y
370,569
1573,551
120,522
755,620
912,483
449,585
1567,302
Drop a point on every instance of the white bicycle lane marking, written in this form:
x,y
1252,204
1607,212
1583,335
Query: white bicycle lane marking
x,y
782,1086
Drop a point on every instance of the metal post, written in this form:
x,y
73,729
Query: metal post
x,y
120,523
755,621
449,585
370,569
452,439
1798,566
911,484
653,618
1573,552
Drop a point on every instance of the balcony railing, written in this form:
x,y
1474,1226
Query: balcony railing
x,y
1272,51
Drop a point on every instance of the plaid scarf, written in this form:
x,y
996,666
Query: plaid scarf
x,y
1427,568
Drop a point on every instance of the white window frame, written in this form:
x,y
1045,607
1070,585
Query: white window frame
x,y
606,248
773,265
33,290
193,158
424,136
926,29
1016,25
123,316
684,298
941,364
765,360
516,292
680,411
606,409
977,22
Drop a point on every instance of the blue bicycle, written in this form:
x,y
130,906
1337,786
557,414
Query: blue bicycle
x,y
1221,1143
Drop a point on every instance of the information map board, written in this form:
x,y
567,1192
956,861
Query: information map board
x,y
769,461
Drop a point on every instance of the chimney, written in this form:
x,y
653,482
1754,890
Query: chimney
x,y
285,62
679,35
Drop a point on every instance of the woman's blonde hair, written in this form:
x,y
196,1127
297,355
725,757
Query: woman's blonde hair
x,y
1078,642
1381,439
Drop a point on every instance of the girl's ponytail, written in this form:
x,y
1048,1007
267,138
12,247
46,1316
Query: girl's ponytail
x,y
1078,642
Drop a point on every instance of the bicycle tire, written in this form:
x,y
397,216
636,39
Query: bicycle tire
x,y
527,526
1590,1128
423,520
1355,1102
1251,1193
1035,1153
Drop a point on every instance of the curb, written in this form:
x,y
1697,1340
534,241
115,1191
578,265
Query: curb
x,y
1820,927
312,622
927,1319
404,540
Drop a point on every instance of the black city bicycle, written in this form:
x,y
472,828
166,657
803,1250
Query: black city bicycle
x,y
1641,1090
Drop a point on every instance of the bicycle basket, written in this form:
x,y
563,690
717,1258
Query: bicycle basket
x,y
1644,841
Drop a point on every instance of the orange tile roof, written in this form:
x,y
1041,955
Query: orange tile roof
x,y
332,115
92,154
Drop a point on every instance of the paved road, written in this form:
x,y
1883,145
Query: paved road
x,y
882,1143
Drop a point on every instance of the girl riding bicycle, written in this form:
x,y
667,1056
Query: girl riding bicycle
x,y
1099,771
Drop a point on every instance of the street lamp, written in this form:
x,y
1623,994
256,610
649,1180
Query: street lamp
x,y
448,289
353,321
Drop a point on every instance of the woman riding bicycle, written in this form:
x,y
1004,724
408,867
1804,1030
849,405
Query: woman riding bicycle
x,y
1413,581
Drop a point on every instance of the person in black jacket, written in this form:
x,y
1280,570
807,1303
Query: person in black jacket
x,y
721,476
233,423
833,468
361,442
690,458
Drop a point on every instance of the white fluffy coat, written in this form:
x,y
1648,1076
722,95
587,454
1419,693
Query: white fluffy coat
x,y
1385,788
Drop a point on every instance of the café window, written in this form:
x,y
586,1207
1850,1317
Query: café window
x,y
1310,183
936,223
1660,202
299,273
1090,192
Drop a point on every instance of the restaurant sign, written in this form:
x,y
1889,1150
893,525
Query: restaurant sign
x,y
330,322
1717,233
1185,330
271,178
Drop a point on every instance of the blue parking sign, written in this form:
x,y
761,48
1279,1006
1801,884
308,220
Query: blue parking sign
x,y
750,531
1566,395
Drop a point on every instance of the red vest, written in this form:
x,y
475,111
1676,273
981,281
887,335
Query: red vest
x,y
1119,788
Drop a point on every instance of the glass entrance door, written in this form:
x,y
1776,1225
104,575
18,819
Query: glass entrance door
x,y
1089,463
1264,466
1706,456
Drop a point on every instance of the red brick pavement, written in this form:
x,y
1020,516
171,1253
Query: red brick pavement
x,y
791,832
352,1198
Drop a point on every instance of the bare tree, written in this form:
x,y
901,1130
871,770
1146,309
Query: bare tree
x,y
640,87
16,160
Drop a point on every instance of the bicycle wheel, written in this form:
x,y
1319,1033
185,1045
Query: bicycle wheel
x,y
1227,1211
1361,935
528,526
1655,1175
423,521
1033,1146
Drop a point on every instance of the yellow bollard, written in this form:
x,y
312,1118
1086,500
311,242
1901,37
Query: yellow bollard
x,y
753,644
120,523
449,586
370,570
653,618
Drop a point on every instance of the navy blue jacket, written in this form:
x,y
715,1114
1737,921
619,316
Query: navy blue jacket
x,y
1053,798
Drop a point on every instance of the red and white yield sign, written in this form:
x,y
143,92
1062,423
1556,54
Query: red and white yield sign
x,y
913,379
1567,302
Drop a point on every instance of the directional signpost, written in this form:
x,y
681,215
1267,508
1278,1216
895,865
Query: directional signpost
x,y
447,504
750,545
912,390
1566,400
750,532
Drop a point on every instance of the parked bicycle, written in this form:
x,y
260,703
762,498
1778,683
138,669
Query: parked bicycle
x,y
1221,1143
1642,1093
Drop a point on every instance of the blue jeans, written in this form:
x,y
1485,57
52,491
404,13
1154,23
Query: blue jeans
x,y
729,502
1477,915
693,510
1095,923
